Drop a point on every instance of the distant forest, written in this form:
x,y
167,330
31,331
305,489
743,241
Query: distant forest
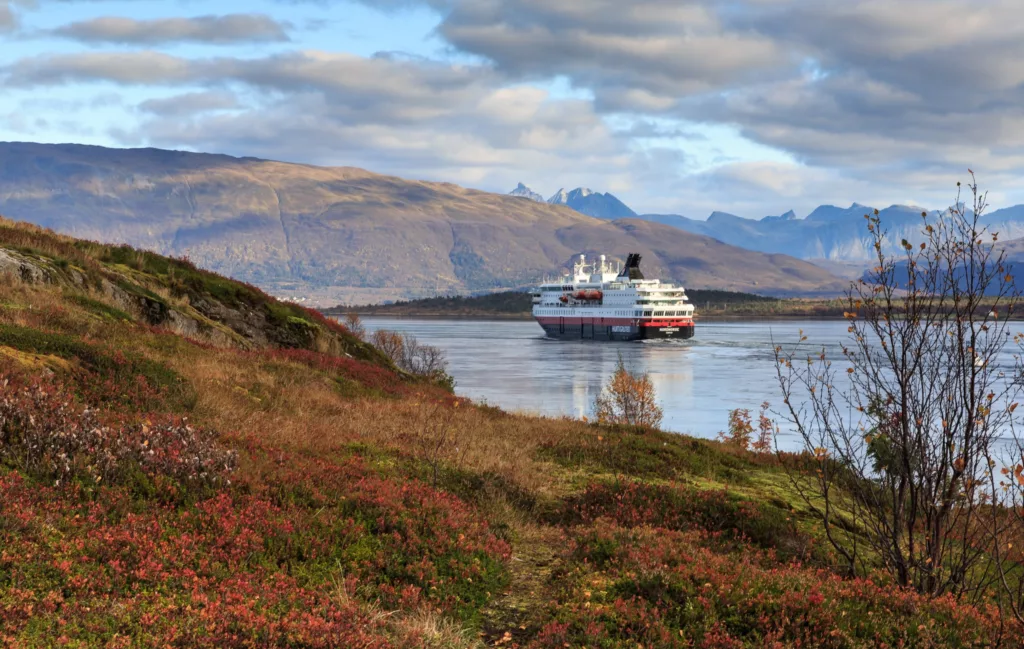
x,y
517,303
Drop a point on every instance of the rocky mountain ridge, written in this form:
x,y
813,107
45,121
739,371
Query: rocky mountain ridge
x,y
349,235
828,234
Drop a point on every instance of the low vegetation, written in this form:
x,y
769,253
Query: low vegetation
x,y
628,399
266,490
518,304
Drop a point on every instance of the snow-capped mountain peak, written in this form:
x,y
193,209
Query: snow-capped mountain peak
x,y
591,203
561,197
523,191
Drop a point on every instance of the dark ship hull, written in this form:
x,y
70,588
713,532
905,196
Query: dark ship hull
x,y
601,329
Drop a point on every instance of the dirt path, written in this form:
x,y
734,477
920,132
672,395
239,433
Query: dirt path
x,y
511,620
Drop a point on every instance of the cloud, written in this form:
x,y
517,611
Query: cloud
x,y
211,30
144,67
864,90
8,19
189,104
643,55
859,100
912,92
414,117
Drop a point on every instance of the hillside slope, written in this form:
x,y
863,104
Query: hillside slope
x,y
303,230
172,294
232,492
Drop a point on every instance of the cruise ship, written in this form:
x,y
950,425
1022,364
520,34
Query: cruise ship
x,y
602,301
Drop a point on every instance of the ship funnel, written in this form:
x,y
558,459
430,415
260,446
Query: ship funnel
x,y
632,268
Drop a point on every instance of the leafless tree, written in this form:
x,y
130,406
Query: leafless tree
x,y
424,360
391,344
900,428
355,325
409,354
439,437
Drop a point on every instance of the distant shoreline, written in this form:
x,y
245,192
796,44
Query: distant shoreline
x,y
433,314
513,305
526,317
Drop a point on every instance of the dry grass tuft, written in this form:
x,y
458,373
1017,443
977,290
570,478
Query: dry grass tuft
x,y
429,630
285,404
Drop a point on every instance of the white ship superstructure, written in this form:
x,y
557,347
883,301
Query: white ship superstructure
x,y
602,301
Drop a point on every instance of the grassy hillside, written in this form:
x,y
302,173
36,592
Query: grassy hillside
x,y
341,234
207,482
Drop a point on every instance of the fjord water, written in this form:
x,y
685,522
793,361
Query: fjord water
x,y
727,365
512,365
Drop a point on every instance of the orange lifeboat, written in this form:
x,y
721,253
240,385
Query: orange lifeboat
x,y
589,295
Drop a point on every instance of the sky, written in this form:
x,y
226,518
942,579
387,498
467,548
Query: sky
x,y
753,107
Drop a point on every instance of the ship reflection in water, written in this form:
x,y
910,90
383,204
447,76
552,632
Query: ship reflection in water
x,y
587,377
511,364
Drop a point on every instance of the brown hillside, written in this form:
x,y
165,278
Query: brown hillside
x,y
299,229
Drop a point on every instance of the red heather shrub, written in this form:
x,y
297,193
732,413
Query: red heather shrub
x,y
44,432
99,572
408,543
638,504
370,376
330,324
668,589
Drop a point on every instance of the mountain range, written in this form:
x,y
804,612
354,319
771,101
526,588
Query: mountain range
x,y
833,237
585,201
523,191
581,199
350,235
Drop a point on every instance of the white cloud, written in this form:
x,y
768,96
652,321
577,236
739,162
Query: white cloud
x,y
8,19
212,30
865,100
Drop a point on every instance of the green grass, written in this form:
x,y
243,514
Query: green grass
x,y
101,309
652,456
109,374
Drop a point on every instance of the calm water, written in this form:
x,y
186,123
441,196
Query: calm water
x,y
727,365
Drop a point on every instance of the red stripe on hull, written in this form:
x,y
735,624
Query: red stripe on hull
x,y
635,322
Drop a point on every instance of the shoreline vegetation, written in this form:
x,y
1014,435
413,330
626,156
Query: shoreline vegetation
x,y
186,461
710,305
516,305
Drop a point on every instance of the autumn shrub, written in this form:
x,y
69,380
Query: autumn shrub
x,y
740,429
281,558
99,571
45,433
668,589
744,435
409,544
410,355
436,439
354,377
107,376
355,325
629,399
636,504
651,455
